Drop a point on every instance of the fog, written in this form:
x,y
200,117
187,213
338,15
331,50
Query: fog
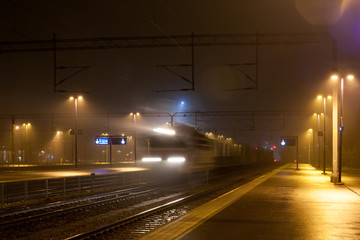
x,y
283,80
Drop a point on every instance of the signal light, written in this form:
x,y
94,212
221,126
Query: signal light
x,y
274,147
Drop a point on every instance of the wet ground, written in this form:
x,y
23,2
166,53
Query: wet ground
x,y
287,204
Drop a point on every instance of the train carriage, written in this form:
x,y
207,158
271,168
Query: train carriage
x,y
186,149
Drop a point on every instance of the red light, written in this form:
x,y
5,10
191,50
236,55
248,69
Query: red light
x,y
274,147
275,160
295,161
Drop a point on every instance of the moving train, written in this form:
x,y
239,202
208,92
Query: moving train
x,y
184,148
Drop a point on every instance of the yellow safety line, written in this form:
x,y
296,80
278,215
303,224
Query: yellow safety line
x,y
196,217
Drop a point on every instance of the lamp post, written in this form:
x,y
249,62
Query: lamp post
x,y
12,140
135,115
341,123
324,98
27,154
76,127
317,149
310,134
14,129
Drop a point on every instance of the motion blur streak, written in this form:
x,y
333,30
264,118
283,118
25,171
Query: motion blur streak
x,y
149,159
176,159
164,131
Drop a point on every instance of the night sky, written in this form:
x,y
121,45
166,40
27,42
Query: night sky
x,y
123,80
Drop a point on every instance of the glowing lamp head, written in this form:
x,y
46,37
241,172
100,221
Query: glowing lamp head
x,y
350,77
319,97
78,98
334,77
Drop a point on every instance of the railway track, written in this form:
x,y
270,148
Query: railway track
x,y
134,226
41,214
150,219
140,209
62,205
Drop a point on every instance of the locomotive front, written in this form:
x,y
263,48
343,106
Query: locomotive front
x,y
180,147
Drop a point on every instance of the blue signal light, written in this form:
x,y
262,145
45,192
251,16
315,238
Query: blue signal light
x,y
118,140
102,141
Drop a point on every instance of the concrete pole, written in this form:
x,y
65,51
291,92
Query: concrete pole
x,y
335,126
76,131
12,140
110,151
324,163
318,137
297,153
135,137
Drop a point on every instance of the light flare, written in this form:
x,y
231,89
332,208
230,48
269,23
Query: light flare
x,y
176,159
164,131
151,159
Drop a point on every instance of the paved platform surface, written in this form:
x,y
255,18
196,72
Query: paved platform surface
x,y
284,204
28,174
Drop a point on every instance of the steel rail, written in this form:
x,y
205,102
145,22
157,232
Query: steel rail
x,y
67,210
108,228
147,213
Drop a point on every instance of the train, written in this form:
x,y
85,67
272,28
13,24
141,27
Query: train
x,y
184,148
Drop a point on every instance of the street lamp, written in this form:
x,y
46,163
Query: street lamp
x,y
311,138
14,128
27,156
135,115
317,125
341,126
324,98
75,99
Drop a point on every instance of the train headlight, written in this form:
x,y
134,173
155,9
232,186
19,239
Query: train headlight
x,y
151,159
176,159
164,131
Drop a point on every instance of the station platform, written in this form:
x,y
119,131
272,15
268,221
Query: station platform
x,y
27,174
283,204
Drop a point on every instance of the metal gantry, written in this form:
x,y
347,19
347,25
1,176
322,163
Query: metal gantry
x,y
197,40
190,40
